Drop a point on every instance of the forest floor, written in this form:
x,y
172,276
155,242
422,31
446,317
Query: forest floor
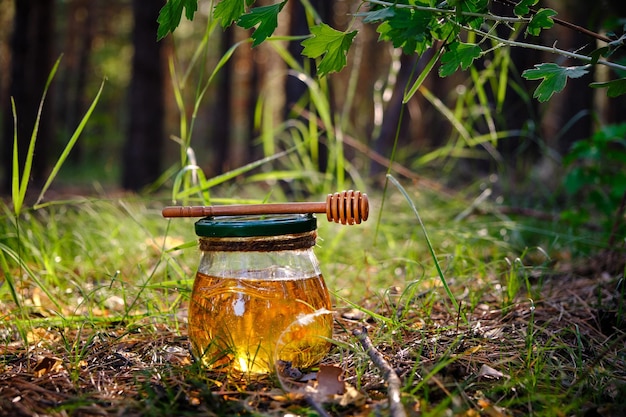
x,y
556,348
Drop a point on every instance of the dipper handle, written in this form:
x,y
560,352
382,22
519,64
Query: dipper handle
x,y
346,207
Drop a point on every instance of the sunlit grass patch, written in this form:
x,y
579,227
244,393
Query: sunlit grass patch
x,y
103,328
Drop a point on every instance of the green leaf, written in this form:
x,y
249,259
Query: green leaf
x,y
575,180
228,11
598,53
331,43
267,19
611,133
377,15
541,20
408,29
554,78
171,13
523,7
458,54
191,7
445,31
472,6
614,88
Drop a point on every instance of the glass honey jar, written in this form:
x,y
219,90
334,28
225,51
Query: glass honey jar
x,y
259,296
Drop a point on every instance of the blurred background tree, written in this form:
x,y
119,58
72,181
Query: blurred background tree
x,y
141,163
124,144
31,56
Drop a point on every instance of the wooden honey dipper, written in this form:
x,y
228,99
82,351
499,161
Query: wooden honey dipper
x,y
346,207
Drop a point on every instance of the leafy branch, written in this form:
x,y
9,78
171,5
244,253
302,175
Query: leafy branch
x,y
416,26
470,16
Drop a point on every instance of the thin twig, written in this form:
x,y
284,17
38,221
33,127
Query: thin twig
x,y
450,11
503,41
393,380
564,23
549,49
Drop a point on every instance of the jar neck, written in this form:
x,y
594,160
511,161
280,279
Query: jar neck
x,y
259,243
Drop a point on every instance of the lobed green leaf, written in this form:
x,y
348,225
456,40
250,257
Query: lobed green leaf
x,y
614,88
472,6
171,13
229,11
541,20
554,78
267,19
330,43
378,15
458,54
408,29
523,7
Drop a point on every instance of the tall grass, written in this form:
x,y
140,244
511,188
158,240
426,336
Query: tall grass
x,y
292,148
14,255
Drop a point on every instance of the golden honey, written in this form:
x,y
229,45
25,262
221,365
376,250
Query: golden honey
x,y
249,324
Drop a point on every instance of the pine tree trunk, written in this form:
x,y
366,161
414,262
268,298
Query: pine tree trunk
x,y
144,143
31,62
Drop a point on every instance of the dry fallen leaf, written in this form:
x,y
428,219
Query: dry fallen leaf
x,y
488,372
472,350
330,387
39,334
354,314
45,365
330,380
491,410
352,396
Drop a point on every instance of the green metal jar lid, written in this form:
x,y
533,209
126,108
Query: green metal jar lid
x,y
250,226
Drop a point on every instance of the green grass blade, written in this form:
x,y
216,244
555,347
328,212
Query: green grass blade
x,y
290,175
223,60
28,164
420,80
17,259
286,56
503,80
162,179
180,104
179,180
320,104
200,92
428,243
372,314
9,278
15,180
447,113
200,50
219,179
479,86
69,146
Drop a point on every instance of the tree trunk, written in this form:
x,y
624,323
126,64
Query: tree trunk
x,y
221,112
295,89
31,48
79,34
142,150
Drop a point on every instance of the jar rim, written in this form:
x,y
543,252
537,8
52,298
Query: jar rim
x,y
257,225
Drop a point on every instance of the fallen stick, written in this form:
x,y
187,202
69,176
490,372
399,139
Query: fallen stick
x,y
393,380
